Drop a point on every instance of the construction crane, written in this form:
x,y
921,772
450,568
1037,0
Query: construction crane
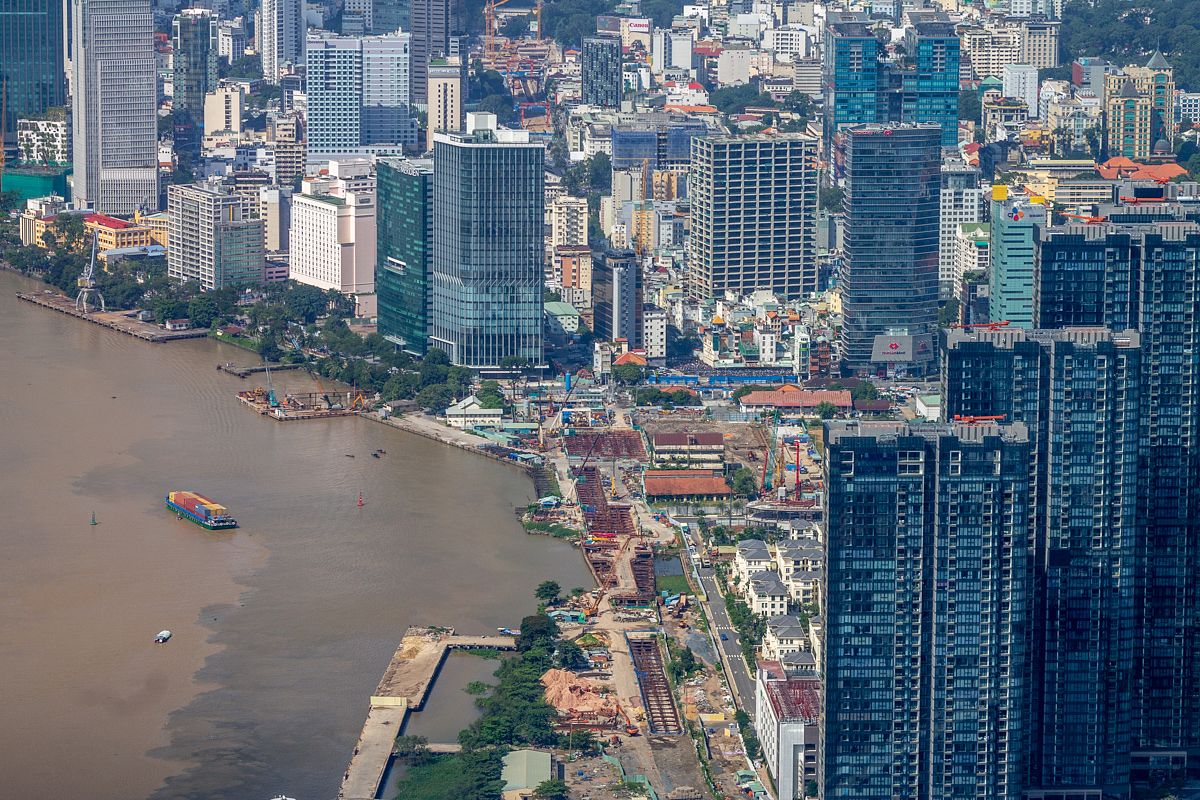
x,y
1086,218
87,282
970,419
986,326
537,16
272,399
489,30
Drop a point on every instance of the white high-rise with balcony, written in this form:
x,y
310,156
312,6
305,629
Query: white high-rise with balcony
x,y
281,40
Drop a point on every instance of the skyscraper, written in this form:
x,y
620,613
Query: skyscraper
x,y
961,202
926,598
617,296
31,71
1140,109
1149,279
213,241
1016,217
405,239
115,94
194,57
358,96
433,23
445,96
861,88
889,271
754,214
602,67
1078,391
488,221
281,40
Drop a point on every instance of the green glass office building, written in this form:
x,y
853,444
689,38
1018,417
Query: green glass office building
x,y
31,70
404,241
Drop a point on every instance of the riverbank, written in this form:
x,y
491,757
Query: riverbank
x,y
281,629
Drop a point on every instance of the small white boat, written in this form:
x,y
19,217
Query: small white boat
x,y
163,637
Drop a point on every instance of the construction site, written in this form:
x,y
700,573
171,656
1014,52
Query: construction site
x,y
303,405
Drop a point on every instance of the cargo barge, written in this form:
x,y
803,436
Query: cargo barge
x,y
200,510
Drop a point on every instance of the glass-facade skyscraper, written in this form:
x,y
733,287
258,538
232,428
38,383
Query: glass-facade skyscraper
x,y
926,599
889,271
861,87
488,221
31,70
1078,391
601,63
404,241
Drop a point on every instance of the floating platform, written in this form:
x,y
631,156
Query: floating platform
x,y
120,321
304,405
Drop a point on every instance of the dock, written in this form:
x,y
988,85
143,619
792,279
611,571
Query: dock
x,y
405,687
246,372
304,405
119,321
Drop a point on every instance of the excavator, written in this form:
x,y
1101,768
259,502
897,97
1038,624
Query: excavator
x,y
630,728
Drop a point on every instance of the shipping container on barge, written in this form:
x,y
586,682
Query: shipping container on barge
x,y
200,510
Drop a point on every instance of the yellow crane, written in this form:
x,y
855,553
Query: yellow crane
x,y
489,30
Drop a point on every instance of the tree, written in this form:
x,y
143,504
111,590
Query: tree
x,y
305,303
435,398
516,27
268,348
743,483
864,390
627,374
202,310
570,656
830,198
599,174
551,790
826,410
436,357
547,591
501,105
537,630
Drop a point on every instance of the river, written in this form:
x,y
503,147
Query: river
x,y
282,628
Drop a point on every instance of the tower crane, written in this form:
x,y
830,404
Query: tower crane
x,y
87,282
489,29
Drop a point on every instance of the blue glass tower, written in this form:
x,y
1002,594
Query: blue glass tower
x,y
852,73
404,241
926,599
1079,393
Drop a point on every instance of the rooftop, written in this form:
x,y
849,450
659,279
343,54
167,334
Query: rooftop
x,y
684,483
795,699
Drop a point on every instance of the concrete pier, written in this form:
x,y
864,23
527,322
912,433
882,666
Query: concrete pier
x,y
405,686
115,320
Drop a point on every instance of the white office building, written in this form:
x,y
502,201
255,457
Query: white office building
x,y
1021,82
358,95
332,242
961,202
786,714
212,239
115,98
281,37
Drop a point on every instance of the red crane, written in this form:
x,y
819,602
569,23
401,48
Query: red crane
x,y
969,419
987,326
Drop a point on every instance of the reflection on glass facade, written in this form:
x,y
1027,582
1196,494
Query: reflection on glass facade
x,y
889,275
1078,392
1149,279
601,67
487,257
404,240
31,69
927,600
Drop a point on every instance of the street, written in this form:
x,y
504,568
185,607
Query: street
x,y
730,648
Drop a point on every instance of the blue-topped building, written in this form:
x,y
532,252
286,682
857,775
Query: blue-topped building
x,y
917,84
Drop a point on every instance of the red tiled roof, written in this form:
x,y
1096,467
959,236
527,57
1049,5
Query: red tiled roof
x,y
684,483
630,358
1121,167
107,222
791,397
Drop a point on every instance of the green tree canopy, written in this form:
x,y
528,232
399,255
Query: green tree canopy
x,y
547,591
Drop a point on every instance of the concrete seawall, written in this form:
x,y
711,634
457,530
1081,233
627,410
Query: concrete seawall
x,y
405,687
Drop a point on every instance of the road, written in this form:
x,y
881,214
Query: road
x,y
730,647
